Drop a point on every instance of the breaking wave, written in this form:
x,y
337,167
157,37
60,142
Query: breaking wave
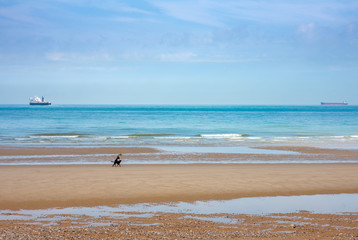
x,y
158,139
223,136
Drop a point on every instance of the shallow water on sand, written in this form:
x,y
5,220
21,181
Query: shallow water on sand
x,y
326,204
172,155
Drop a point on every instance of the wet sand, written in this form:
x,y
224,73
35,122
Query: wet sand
x,y
103,154
33,187
73,150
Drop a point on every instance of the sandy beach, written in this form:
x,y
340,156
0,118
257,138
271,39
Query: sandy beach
x,y
91,185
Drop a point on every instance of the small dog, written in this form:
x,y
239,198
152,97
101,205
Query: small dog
x,y
117,161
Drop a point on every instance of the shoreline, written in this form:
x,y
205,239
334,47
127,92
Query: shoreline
x,y
53,155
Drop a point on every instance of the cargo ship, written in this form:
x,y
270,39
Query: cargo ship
x,y
38,101
334,104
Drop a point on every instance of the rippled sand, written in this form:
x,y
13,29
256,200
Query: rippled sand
x,y
302,225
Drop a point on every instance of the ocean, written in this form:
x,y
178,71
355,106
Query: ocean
x,y
164,125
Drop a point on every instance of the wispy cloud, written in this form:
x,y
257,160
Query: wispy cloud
x,y
221,13
163,30
177,57
22,13
72,56
197,12
108,5
38,12
307,30
190,57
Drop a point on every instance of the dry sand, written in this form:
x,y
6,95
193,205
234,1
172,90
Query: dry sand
x,y
30,187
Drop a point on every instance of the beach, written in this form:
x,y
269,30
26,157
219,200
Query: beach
x,y
197,180
301,225
60,186
33,187
37,187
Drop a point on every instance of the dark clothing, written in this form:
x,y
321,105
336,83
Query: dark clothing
x,y
117,162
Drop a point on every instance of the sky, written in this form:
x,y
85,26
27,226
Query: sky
x,y
242,52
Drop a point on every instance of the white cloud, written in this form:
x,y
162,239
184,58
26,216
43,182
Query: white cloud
x,y
195,58
55,56
177,57
306,28
133,20
71,56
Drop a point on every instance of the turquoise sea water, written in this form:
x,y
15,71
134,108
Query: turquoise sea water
x,y
177,125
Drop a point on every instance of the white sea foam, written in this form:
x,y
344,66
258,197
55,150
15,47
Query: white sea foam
x,y
21,139
279,139
94,139
222,136
255,138
338,137
119,137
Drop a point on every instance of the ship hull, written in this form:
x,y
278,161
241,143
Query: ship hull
x,y
40,103
334,104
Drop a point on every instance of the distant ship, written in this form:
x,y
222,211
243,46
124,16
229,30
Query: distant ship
x,y
334,104
38,101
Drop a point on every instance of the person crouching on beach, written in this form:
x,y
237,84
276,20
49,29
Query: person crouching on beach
x,y
117,161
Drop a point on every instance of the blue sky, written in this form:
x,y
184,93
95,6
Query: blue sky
x,y
179,52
